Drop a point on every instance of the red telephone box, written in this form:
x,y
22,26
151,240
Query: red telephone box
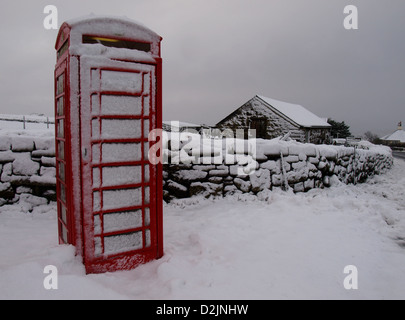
x,y
108,96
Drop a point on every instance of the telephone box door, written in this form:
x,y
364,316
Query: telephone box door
x,y
118,109
65,219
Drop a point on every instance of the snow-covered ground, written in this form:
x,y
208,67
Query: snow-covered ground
x,y
36,129
281,246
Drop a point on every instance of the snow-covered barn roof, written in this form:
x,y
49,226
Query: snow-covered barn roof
x,y
398,135
296,113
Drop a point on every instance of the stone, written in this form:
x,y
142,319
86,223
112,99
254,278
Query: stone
x,y
322,165
48,162
260,180
177,190
216,180
24,166
242,185
6,156
206,189
302,157
313,160
299,165
274,150
299,187
43,153
189,175
273,166
222,172
204,167
5,144
291,159
277,179
23,189
309,184
43,181
6,191
230,189
22,144
7,172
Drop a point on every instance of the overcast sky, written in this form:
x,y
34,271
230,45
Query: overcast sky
x,y
217,54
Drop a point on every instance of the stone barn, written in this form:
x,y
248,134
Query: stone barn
x,y
272,118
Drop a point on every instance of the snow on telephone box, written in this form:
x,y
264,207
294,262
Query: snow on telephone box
x,y
108,97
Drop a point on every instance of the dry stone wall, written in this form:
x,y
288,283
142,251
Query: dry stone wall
x,y
27,169
276,164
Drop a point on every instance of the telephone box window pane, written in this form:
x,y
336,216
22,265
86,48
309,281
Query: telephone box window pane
x,y
121,81
146,128
147,238
97,224
62,192
147,217
147,195
98,248
121,105
121,152
60,107
60,84
63,49
95,104
146,151
96,201
64,234
147,173
61,128
95,128
122,221
146,106
123,243
146,83
117,128
96,178
62,176
63,213
123,198
96,153
61,150
116,176
95,79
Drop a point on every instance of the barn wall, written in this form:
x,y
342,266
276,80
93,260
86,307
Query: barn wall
x,y
276,125
254,108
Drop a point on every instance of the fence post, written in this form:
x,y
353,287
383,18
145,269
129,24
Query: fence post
x,y
24,122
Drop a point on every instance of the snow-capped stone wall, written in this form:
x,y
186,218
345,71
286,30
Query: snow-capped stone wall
x,y
27,169
272,164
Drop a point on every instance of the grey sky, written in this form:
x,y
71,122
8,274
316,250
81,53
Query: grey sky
x,y
220,53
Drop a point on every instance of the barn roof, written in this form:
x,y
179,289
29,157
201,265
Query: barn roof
x,y
296,113
398,135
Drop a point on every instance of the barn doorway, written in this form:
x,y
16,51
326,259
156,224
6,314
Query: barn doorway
x,y
260,125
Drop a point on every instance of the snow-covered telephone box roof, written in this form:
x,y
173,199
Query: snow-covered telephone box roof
x,y
111,37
